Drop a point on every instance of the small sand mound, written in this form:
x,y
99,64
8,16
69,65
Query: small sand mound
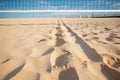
x,y
60,57
26,75
4,57
111,60
62,60
20,52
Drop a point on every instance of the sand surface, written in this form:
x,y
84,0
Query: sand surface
x,y
60,49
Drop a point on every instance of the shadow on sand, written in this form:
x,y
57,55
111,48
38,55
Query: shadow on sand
x,y
69,74
13,73
90,52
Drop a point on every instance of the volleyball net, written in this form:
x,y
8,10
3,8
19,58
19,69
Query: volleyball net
x,y
89,7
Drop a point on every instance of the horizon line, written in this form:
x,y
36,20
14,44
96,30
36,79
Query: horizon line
x,y
59,10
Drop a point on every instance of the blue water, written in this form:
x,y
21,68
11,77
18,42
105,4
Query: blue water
x,y
54,14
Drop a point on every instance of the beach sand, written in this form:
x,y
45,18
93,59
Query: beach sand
x,y
60,49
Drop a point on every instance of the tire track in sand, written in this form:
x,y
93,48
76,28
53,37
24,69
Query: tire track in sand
x,y
93,56
89,52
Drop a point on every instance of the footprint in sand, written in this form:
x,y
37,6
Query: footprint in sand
x,y
60,58
42,40
84,35
111,60
69,74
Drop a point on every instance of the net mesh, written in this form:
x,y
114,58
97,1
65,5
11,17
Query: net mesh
x,y
59,4
36,8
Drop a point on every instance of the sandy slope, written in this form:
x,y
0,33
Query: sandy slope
x,y
60,49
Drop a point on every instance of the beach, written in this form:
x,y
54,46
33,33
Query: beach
x,y
60,49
